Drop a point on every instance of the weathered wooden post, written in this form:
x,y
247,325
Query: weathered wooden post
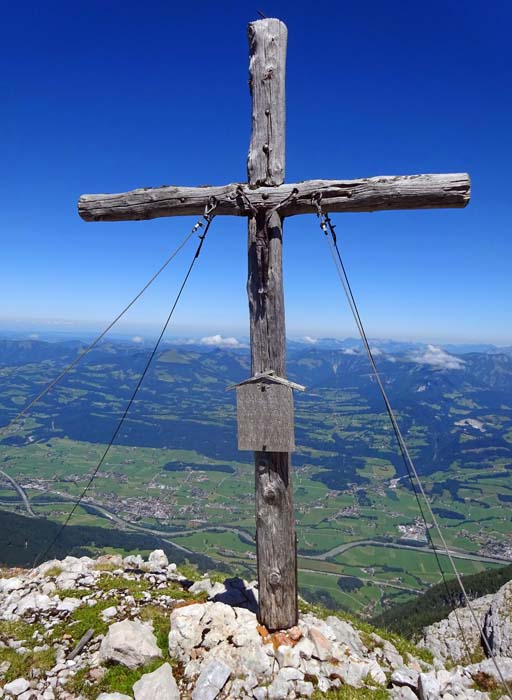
x,y
275,520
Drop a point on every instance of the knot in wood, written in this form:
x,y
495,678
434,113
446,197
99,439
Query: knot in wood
x,y
270,494
262,466
274,579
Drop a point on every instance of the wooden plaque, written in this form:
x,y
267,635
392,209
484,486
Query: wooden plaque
x,y
265,417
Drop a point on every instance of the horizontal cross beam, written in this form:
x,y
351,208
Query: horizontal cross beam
x,y
370,194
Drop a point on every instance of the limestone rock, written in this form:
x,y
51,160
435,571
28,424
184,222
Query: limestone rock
x,y
130,643
133,561
112,560
305,688
109,613
279,688
17,686
498,622
287,656
226,655
7,585
157,560
33,601
322,645
67,580
488,667
45,567
68,604
403,693
444,638
186,632
428,686
159,685
405,677
346,634
212,590
212,679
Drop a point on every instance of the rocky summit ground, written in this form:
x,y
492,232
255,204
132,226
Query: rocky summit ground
x,y
120,629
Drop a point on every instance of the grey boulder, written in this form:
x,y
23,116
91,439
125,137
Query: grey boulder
x,y
159,685
498,622
130,643
212,679
157,560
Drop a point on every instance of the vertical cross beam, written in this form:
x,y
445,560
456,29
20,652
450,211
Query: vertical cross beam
x,y
275,522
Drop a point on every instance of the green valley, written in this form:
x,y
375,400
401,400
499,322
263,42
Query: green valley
x,y
176,473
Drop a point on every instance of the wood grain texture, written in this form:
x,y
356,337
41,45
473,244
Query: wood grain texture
x,y
387,192
275,521
267,73
265,417
275,541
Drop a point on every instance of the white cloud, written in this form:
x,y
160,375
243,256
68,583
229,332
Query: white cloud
x,y
34,336
221,342
309,339
137,339
438,358
350,351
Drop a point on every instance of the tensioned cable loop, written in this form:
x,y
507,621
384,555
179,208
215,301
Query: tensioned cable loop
x,y
328,228
208,217
87,350
326,225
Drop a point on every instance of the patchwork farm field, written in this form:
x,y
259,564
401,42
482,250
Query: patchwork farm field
x,y
176,471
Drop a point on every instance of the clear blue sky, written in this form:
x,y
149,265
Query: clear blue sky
x,y
105,96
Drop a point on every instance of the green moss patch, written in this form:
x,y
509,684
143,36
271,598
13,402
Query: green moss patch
x,y
22,664
82,619
347,692
117,679
161,620
119,583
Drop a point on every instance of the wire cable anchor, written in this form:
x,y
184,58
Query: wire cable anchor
x,y
240,192
325,220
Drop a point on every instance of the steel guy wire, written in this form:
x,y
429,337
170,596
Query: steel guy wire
x,y
103,333
208,217
328,228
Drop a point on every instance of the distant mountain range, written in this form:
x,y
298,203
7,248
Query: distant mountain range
x,y
386,345
457,405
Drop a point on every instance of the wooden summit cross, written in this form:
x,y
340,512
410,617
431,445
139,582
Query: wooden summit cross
x,y
265,200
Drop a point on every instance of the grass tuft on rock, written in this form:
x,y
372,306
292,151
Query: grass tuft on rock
x,y
347,692
22,664
161,620
73,593
120,583
402,645
82,619
117,679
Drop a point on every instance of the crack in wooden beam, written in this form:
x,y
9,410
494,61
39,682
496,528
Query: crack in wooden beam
x,y
382,193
